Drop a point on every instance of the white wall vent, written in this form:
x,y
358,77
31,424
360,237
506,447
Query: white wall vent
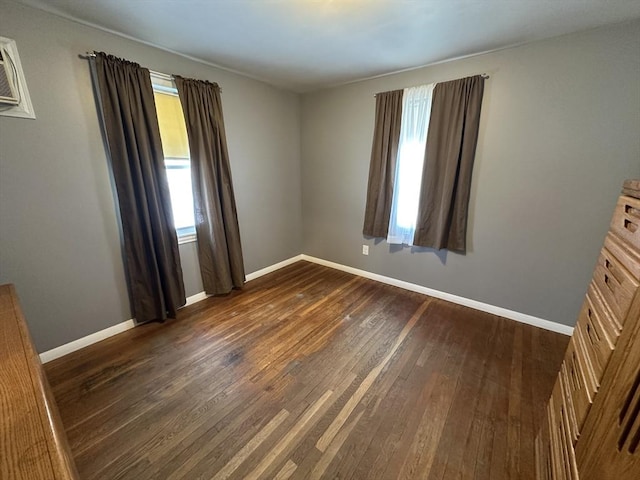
x,y
14,95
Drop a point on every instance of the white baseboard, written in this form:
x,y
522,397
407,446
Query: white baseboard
x,y
484,307
467,302
273,268
194,299
102,334
86,341
67,348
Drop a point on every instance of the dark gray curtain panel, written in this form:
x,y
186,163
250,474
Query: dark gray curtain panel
x,y
449,156
217,230
152,261
382,168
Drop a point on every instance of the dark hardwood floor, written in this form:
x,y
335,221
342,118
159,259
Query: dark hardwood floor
x,y
310,373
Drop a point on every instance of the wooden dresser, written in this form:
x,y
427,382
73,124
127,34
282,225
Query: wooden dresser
x,y
592,427
33,445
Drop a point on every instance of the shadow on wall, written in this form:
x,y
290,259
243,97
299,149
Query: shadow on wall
x,y
394,248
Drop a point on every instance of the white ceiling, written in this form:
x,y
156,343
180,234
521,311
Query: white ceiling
x,y
305,45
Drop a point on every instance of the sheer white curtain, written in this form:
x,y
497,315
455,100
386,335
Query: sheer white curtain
x,y
416,110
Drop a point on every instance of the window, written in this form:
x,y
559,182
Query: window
x,y
175,146
179,178
416,110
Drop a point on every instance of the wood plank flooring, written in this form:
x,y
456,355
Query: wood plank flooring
x,y
311,373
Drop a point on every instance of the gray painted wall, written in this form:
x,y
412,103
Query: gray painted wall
x,y
59,235
560,131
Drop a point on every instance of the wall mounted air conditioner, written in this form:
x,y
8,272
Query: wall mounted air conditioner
x,y
14,95
8,76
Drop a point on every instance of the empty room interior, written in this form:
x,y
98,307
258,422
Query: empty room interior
x,y
320,239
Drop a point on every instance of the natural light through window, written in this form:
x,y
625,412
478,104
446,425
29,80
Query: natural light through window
x,y
410,158
414,126
175,146
179,177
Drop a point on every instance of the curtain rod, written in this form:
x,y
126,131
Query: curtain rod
x,y
483,75
89,55
166,76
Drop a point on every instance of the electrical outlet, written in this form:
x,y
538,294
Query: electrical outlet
x,y
365,249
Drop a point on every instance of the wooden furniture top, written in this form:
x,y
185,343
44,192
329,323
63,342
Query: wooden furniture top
x,y
632,188
32,441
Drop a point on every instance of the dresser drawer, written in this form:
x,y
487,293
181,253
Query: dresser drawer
x,y
563,460
574,430
544,469
598,333
557,462
579,394
624,253
616,286
626,220
566,446
592,382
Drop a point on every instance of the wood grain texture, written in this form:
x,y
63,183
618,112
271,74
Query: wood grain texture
x,y
608,446
592,425
631,188
248,449
32,440
286,471
389,383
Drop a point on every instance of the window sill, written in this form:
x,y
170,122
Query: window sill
x,y
190,238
